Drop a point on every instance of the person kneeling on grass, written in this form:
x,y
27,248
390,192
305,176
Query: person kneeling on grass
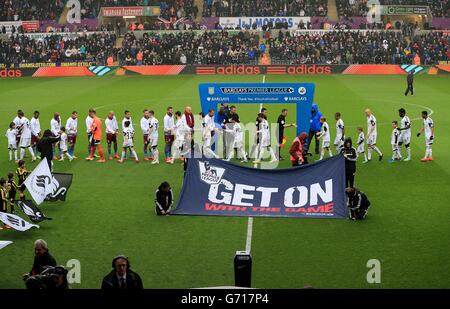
x,y
357,203
163,199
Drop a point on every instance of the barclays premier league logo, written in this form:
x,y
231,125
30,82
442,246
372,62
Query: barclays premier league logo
x,y
210,174
302,90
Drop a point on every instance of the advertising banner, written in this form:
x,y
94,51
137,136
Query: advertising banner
x,y
130,11
217,188
247,22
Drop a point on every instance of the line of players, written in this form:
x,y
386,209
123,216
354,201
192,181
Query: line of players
x,y
401,136
179,128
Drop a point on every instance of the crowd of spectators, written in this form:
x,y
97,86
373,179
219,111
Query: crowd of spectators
x,y
348,8
343,47
237,47
213,47
236,8
54,48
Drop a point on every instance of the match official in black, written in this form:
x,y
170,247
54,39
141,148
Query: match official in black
x,y
410,81
350,162
281,126
357,203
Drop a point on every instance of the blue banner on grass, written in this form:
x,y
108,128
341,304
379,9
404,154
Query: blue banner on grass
x,y
216,188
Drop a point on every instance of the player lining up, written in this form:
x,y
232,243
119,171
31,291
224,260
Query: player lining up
x,y
153,137
11,135
63,145
128,134
324,134
340,133
428,128
264,140
208,127
372,136
238,140
25,137
112,130
180,146
405,133
395,137
360,143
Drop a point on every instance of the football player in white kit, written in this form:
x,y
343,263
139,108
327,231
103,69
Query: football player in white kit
x,y
360,143
371,136
128,134
207,134
238,138
145,127
25,138
35,132
340,133
395,139
72,130
153,137
264,140
112,130
405,133
180,147
11,135
324,134
63,140
55,127
428,128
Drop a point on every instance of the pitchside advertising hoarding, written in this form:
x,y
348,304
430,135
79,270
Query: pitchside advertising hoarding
x,y
90,69
259,22
217,188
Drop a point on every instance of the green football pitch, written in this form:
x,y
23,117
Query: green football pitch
x,y
110,210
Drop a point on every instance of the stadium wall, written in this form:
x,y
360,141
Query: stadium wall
x,y
314,69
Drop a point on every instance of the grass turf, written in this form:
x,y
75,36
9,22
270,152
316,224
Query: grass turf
x,y
110,210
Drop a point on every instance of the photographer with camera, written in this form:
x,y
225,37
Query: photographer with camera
x,y
51,278
42,258
122,277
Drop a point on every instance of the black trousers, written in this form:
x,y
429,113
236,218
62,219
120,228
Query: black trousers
x,y
349,178
312,134
409,89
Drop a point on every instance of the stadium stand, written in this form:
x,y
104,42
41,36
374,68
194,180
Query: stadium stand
x,y
214,47
94,47
222,47
381,47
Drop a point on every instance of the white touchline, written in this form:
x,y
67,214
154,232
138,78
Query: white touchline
x,y
248,243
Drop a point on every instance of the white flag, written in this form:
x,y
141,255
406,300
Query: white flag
x,y
39,182
4,243
16,222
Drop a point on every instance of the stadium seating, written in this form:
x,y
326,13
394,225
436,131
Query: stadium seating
x,y
222,47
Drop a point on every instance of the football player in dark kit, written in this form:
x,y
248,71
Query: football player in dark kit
x,y
357,204
410,81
